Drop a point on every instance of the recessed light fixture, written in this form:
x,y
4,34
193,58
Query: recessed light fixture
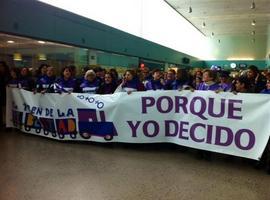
x,y
253,33
203,24
10,41
252,6
253,23
253,40
41,42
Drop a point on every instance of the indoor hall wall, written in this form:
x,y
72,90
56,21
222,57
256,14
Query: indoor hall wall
x,y
268,48
37,20
239,47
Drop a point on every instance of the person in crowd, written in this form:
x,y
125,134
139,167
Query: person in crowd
x,y
83,71
73,71
109,85
146,75
66,83
41,72
26,80
196,77
182,80
4,77
130,83
267,75
197,82
100,73
169,83
224,82
14,81
78,80
90,83
256,80
115,75
209,81
155,83
46,83
242,85
267,89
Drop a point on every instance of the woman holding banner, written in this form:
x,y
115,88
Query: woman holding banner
x,y
66,83
130,83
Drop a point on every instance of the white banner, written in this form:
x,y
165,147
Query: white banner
x,y
226,123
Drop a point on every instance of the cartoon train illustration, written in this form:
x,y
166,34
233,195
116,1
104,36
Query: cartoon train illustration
x,y
32,122
90,126
64,126
48,126
17,119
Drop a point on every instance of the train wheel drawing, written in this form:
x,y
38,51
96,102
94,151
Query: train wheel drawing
x,y
85,135
108,137
73,135
46,132
38,130
27,128
61,136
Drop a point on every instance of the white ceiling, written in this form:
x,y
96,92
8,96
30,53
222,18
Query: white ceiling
x,y
225,17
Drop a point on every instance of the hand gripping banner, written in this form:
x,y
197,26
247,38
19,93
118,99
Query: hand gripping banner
x,y
225,123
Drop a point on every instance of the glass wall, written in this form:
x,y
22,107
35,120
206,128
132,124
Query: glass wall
x,y
26,52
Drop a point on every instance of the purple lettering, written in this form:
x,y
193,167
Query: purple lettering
x,y
228,132
183,130
146,131
181,102
168,125
134,127
169,102
211,107
251,140
192,132
209,134
147,102
202,107
232,108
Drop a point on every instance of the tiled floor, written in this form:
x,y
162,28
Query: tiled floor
x,y
37,168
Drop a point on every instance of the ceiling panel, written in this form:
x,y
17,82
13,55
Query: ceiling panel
x,y
225,17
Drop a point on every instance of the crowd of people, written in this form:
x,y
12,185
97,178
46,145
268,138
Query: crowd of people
x,y
100,81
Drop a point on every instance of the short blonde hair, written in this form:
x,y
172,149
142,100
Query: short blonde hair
x,y
88,72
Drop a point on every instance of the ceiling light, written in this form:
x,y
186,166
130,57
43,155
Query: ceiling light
x,y
243,58
253,23
253,6
253,40
10,41
41,42
253,33
233,65
190,9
